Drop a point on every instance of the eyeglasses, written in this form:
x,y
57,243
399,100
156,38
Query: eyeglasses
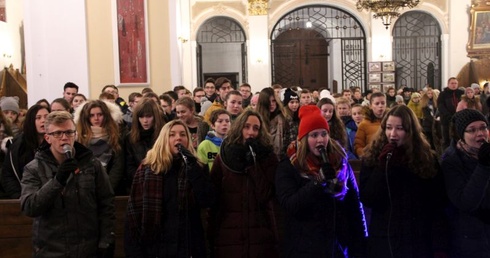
x,y
59,134
475,130
199,96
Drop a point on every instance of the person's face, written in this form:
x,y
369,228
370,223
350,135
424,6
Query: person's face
x,y
12,115
245,91
112,91
181,93
273,104
184,114
452,84
96,116
430,94
135,102
415,100
234,104
209,89
167,107
378,105
316,139
391,92
407,94
305,99
357,95
470,94
56,143
77,101
347,95
477,91
357,114
69,94
40,119
343,109
224,89
293,105
198,96
394,131
315,94
253,103
177,135
146,121
251,128
277,91
475,134
327,111
56,106
222,125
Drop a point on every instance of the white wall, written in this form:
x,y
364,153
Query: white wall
x,y
458,18
56,47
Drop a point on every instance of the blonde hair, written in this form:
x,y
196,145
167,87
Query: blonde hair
x,y
159,157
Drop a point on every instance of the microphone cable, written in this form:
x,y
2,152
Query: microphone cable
x,y
388,157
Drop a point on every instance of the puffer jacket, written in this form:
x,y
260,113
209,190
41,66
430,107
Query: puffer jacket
x,y
70,221
469,193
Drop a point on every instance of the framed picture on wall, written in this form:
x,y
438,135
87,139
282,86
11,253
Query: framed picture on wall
x,y
130,35
479,36
388,77
374,67
388,66
374,77
374,86
386,86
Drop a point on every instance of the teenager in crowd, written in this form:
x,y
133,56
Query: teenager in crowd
x,y
209,148
370,125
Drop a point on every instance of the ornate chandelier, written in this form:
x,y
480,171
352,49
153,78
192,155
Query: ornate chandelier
x,y
385,9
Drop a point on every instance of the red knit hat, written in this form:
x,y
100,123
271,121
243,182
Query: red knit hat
x,y
310,119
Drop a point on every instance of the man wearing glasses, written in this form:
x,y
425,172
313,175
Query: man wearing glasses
x,y
246,92
68,193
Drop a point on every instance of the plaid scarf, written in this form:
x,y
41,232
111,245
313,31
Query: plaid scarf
x,y
470,151
145,203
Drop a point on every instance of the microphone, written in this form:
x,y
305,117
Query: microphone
x,y
67,149
249,143
179,148
390,154
323,153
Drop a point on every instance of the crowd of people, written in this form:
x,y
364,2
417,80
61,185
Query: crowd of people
x,y
221,172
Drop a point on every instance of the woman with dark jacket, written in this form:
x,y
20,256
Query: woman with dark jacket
x,y
466,166
169,190
145,127
21,151
242,222
318,191
402,184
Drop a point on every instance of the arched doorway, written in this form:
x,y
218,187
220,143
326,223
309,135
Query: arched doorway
x,y
417,50
314,46
221,50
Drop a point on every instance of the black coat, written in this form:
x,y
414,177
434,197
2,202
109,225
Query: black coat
x,y
467,184
318,225
406,214
135,153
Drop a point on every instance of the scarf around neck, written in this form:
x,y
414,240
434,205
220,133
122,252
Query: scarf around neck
x,y
470,151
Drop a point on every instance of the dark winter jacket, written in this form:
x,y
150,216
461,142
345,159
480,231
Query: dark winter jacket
x,y
180,233
243,223
136,152
18,155
469,193
447,102
73,220
407,216
317,224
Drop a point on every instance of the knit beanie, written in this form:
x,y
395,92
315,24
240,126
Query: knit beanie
x,y
463,118
310,119
475,86
10,103
288,96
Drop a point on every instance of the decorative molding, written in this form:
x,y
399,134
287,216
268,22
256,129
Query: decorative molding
x,y
220,8
258,7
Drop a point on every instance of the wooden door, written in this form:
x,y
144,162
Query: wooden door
x,y
301,59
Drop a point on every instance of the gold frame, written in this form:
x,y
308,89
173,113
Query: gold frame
x,y
479,33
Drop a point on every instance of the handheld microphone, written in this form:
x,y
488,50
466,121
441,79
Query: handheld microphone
x,y
323,153
67,149
179,147
390,154
249,143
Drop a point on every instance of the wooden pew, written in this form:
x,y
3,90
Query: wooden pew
x,y
16,229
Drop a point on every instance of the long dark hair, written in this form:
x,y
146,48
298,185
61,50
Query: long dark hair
x,y
418,151
146,107
337,128
30,133
235,135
